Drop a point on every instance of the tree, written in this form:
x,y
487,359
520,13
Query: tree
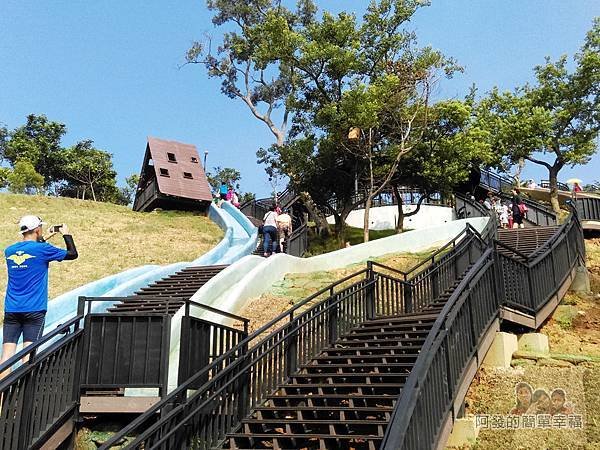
x,y
450,147
366,76
38,141
128,192
227,175
231,177
23,178
3,141
4,174
555,122
90,170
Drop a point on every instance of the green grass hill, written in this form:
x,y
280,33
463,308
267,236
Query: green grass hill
x,y
109,238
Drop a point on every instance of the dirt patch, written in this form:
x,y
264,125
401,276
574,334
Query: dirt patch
x,y
296,287
582,334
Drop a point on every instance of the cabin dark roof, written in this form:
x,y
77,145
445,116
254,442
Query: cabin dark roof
x,y
179,169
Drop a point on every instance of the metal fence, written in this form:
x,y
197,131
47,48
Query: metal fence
x,y
399,292
131,349
40,395
241,378
494,280
588,208
561,186
428,394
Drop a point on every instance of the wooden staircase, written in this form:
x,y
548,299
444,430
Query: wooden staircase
x,y
344,397
525,241
170,293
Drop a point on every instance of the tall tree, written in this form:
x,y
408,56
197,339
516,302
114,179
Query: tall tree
x,y
90,168
38,141
555,122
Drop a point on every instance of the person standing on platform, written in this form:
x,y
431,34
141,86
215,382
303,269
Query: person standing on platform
x,y
26,300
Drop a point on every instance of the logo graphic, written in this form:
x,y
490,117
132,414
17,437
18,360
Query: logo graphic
x,y
20,257
534,408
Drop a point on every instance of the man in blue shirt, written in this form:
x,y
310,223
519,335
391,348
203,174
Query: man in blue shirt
x,y
26,298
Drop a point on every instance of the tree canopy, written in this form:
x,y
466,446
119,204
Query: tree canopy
x,y
555,121
39,163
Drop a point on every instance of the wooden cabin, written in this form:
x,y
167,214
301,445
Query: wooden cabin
x,y
172,178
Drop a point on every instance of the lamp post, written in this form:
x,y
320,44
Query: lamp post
x,y
205,155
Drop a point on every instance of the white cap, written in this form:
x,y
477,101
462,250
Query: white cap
x,y
30,223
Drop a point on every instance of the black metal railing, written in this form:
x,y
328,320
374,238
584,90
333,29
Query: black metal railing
x,y
241,378
411,291
429,392
588,208
131,349
495,280
387,197
495,182
39,396
297,242
561,186
530,281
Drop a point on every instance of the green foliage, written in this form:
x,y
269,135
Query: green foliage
x,y
89,170
554,122
451,145
23,178
38,141
4,174
128,192
231,177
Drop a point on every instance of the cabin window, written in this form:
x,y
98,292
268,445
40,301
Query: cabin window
x,y
187,175
194,159
164,172
171,157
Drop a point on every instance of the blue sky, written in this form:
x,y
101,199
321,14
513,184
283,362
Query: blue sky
x,y
110,70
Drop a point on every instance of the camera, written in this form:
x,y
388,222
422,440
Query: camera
x,y
55,228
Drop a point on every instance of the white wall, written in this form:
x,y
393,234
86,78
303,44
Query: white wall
x,y
385,217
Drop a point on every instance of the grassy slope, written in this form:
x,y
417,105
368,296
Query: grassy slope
x,y
109,238
318,245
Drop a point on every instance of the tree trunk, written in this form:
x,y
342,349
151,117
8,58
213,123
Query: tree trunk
x,y
520,166
553,175
368,202
318,216
400,222
93,193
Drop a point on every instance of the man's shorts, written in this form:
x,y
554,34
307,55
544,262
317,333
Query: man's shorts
x,y
30,324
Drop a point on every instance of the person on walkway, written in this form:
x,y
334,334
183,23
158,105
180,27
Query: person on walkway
x,y
26,298
284,228
229,195
576,188
270,231
518,211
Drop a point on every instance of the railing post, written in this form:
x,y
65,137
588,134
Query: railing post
x,y
243,398
291,348
370,292
408,297
22,415
332,318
